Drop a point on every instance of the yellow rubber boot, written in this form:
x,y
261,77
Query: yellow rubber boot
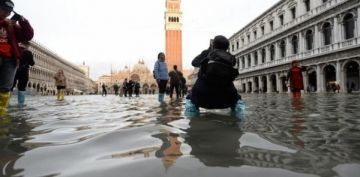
x,y
58,95
62,94
4,102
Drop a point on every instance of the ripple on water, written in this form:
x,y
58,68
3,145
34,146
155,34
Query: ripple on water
x,y
107,136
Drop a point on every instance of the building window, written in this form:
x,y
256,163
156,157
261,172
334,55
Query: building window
x,y
263,56
272,52
293,13
237,45
243,41
249,60
349,26
327,33
262,30
255,34
232,47
256,58
295,42
271,23
281,19
283,49
248,37
325,1
309,37
307,5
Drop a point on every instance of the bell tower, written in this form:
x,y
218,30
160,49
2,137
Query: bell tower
x,y
173,25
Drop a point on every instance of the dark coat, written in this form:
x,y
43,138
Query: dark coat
x,y
212,96
27,61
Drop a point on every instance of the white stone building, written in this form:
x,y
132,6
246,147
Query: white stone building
x,y
321,34
47,63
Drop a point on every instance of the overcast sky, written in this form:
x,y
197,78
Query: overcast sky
x,y
121,32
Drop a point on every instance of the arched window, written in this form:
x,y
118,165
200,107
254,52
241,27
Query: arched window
x,y
309,36
326,29
263,56
249,60
272,52
283,49
349,26
242,62
295,44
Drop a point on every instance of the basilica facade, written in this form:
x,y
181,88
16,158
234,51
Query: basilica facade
x,y
322,34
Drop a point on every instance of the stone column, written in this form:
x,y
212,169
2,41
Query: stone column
x,y
288,46
358,23
261,84
302,42
277,51
319,79
339,76
336,31
317,37
278,83
269,84
306,81
268,54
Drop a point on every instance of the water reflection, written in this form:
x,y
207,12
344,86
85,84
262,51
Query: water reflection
x,y
214,140
169,151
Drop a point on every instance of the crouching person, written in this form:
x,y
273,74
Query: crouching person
x,y
214,88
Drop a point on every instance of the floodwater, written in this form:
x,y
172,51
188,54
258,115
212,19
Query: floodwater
x,y
91,136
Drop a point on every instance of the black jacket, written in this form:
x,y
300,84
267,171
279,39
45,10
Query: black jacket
x,y
27,60
212,96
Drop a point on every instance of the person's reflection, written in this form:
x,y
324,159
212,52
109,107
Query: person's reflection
x,y
298,121
215,140
169,151
13,132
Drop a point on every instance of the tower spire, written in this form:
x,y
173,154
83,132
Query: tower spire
x,y
173,28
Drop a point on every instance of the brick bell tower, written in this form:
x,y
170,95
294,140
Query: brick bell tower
x,y
173,25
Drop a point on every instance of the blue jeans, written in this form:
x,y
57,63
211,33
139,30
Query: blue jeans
x,y
7,74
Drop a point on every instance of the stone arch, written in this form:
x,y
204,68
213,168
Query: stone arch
x,y
273,82
352,75
264,83
329,71
38,87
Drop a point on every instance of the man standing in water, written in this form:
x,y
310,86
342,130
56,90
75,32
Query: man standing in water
x,y
295,78
175,82
161,75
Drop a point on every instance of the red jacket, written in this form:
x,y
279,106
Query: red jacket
x,y
20,32
296,78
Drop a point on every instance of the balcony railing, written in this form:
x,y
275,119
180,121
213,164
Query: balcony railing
x,y
305,54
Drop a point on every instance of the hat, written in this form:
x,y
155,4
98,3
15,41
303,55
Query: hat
x,y
221,42
7,5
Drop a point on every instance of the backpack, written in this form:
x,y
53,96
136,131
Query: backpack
x,y
219,69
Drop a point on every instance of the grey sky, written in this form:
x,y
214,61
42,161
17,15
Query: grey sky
x,y
120,32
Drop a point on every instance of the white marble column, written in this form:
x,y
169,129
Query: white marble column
x,y
358,22
267,54
302,42
335,32
306,81
278,83
317,37
339,76
252,56
277,51
319,79
261,84
288,46
269,84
